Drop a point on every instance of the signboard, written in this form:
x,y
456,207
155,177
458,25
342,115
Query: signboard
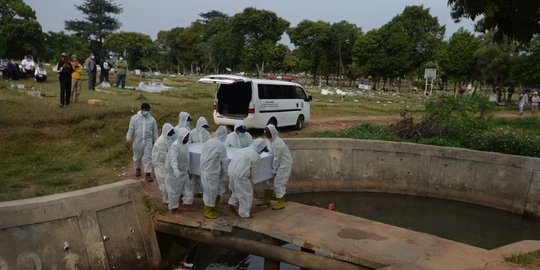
x,y
430,73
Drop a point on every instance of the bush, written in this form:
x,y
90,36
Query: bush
x,y
363,131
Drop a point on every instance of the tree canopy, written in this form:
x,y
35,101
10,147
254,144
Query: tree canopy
x,y
134,46
517,19
98,22
21,33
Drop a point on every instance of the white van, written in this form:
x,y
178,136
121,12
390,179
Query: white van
x,y
259,102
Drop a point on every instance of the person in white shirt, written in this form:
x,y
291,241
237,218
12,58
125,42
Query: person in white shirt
x,y
28,65
40,74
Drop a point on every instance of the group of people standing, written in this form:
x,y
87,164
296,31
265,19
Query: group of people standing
x,y
168,156
70,74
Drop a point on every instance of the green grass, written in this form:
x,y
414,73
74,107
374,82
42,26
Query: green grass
x,y
47,149
524,258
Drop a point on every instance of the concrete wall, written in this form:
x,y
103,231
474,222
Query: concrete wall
x,y
105,227
501,181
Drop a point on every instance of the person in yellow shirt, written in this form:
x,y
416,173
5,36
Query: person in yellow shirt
x,y
75,79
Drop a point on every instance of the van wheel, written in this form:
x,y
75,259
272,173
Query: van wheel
x,y
272,121
299,123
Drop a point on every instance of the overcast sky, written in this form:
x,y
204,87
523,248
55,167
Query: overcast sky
x,y
151,16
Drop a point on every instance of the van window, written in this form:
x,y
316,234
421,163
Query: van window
x,y
300,94
272,91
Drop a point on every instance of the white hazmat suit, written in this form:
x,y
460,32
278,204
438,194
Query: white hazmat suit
x,y
177,165
214,164
237,140
281,164
143,132
159,157
242,172
199,135
183,121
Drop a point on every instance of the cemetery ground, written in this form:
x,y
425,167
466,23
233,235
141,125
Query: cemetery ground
x,y
47,149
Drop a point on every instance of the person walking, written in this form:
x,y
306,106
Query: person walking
x,y
242,171
239,137
177,165
523,101
281,168
75,79
105,66
159,158
91,67
199,135
214,164
142,132
64,70
121,71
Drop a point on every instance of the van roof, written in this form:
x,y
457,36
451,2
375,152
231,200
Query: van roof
x,y
222,77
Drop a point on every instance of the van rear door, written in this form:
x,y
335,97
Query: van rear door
x,y
233,95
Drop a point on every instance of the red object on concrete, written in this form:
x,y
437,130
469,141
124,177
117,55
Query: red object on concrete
x,y
331,207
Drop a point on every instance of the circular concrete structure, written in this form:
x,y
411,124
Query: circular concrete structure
x,y
506,182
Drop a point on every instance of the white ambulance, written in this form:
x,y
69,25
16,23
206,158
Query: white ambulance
x,y
259,102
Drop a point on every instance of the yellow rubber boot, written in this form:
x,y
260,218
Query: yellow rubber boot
x,y
217,209
208,213
280,204
268,193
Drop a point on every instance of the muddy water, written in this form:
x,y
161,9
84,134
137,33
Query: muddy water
x,y
474,225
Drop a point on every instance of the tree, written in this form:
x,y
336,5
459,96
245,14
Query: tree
x,y
343,36
258,29
20,31
494,59
457,59
519,20
98,24
61,42
525,68
422,30
221,46
214,14
166,42
135,46
313,44
384,53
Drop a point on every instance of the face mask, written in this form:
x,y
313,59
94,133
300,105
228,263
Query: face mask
x,y
242,134
145,113
187,123
170,139
92,57
121,58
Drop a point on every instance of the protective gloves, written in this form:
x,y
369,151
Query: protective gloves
x,y
176,172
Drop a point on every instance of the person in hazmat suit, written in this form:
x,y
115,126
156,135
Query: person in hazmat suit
x,y
184,119
214,164
199,135
242,171
281,168
142,132
159,157
239,137
177,165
